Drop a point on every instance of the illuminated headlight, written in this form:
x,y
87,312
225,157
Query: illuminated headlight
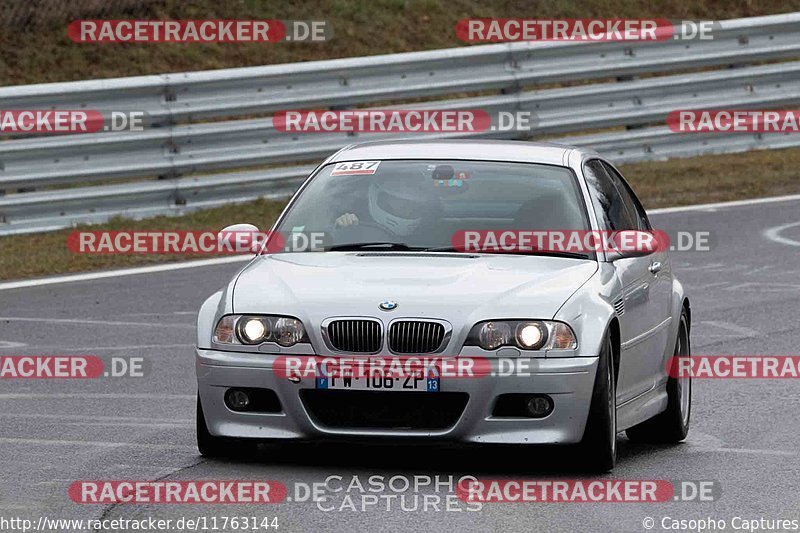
x,y
256,329
531,335
523,334
253,329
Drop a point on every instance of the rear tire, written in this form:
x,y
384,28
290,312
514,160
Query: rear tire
x,y
672,425
599,444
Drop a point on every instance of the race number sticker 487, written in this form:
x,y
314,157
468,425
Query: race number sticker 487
x,y
350,168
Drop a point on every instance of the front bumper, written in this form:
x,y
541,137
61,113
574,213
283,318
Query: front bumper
x,y
569,381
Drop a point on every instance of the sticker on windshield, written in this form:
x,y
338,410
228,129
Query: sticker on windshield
x,y
350,168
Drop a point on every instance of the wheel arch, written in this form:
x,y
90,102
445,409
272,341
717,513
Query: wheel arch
x,y
688,308
616,344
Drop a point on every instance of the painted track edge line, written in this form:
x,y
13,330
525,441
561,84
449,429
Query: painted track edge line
x,y
89,276
724,205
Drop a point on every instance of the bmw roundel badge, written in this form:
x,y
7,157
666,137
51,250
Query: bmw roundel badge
x,y
388,305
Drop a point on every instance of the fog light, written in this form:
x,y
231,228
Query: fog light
x,y
539,406
237,400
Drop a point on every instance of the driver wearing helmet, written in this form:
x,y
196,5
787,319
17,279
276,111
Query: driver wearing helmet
x,y
398,206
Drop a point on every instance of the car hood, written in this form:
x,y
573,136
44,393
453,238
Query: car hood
x,y
459,288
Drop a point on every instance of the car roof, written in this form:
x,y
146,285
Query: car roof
x,y
481,150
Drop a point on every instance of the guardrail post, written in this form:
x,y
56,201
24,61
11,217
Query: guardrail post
x,y
342,108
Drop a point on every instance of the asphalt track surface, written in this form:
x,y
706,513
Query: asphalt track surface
x,y
744,433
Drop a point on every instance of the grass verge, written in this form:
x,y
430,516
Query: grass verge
x,y
43,53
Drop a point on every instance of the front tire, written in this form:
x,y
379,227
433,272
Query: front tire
x,y
672,425
599,444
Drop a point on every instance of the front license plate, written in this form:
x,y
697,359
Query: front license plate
x,y
380,383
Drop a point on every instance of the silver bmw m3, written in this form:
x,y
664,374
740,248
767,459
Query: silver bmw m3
x,y
471,259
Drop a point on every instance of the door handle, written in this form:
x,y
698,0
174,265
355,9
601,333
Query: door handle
x,y
655,267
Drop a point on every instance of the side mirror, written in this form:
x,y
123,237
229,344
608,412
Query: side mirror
x,y
613,255
625,244
240,237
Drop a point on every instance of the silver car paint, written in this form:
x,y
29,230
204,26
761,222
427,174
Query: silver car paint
x,y
461,290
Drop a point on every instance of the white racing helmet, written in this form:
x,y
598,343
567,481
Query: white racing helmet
x,y
399,206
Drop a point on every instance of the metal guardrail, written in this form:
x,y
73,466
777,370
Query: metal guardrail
x,y
184,149
352,81
37,211
661,143
173,149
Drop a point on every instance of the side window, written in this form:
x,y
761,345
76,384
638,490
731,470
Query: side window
x,y
628,197
609,205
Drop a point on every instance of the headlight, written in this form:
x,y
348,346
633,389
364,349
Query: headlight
x,y
255,329
289,331
493,335
561,337
223,333
527,335
252,329
531,335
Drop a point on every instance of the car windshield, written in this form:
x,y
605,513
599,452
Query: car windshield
x,y
401,205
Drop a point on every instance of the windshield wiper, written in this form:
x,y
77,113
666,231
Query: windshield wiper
x,y
403,247
444,249
355,246
572,255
